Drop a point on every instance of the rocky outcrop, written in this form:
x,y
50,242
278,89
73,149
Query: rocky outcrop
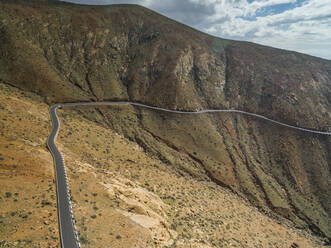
x,y
68,52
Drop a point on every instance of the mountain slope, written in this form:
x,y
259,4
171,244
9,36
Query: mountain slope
x,y
67,52
120,199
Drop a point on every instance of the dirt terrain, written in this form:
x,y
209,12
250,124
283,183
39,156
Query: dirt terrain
x,y
54,52
122,197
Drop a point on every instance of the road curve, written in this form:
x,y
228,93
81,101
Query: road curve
x,y
68,235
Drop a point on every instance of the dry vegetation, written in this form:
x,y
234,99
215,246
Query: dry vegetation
x,y
66,52
122,197
28,216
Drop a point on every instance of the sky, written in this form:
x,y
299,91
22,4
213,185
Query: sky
x,y
297,25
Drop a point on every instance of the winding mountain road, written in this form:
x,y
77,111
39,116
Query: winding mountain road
x,y
68,235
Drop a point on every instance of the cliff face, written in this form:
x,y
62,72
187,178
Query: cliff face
x,y
67,52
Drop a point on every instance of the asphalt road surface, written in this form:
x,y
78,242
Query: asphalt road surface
x,y
197,112
68,235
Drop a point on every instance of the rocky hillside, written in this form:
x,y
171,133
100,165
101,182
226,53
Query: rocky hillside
x,y
66,52
120,199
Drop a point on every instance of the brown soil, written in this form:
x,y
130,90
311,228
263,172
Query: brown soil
x,y
121,196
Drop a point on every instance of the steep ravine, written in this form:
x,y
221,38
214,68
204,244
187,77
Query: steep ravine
x,y
67,52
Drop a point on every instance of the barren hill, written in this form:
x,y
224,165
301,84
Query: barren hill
x,y
65,53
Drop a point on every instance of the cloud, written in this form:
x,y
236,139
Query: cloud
x,y
300,25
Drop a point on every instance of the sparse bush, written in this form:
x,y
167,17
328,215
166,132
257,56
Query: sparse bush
x,y
83,240
45,203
